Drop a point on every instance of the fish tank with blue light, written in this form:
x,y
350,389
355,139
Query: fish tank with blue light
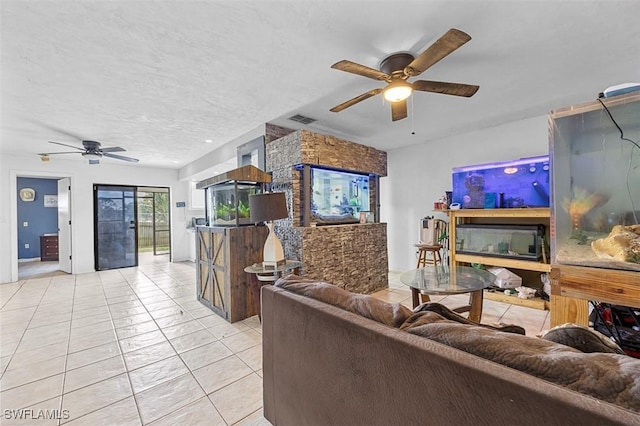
x,y
338,196
595,158
509,184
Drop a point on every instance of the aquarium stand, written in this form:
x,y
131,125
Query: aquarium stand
x,y
572,287
534,221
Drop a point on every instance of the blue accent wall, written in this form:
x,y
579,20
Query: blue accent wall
x,y
41,219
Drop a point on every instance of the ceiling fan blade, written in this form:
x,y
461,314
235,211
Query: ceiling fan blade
x,y
120,157
61,131
113,149
355,100
442,47
358,69
456,89
67,145
56,153
398,110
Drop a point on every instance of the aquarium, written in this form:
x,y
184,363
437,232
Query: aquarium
x,y
338,196
510,184
227,195
228,204
510,241
595,157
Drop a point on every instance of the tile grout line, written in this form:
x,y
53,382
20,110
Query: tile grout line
x,y
121,358
172,346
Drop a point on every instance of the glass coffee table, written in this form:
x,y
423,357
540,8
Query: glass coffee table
x,y
445,280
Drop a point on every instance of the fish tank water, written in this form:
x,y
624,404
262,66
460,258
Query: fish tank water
x,y
338,196
227,195
228,203
494,240
510,184
595,158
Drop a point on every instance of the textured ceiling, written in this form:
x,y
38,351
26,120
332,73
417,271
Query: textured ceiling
x,y
158,78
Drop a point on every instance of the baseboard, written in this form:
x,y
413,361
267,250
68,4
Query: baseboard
x,y
32,259
182,259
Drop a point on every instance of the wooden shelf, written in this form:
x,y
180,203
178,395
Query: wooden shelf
x,y
543,212
528,265
535,303
499,216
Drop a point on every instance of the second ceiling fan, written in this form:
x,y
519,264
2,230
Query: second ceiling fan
x,y
398,67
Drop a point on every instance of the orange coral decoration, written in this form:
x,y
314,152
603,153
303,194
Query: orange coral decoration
x,y
582,203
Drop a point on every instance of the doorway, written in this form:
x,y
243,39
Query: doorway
x,y
43,226
130,221
154,230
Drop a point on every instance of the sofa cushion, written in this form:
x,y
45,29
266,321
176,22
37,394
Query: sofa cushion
x,y
610,377
391,314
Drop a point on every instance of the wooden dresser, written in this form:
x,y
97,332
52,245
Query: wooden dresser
x,y
48,247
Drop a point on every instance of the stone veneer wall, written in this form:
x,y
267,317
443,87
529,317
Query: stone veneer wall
x,y
273,132
351,256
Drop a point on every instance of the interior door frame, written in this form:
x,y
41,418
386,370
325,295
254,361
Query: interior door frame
x,y
13,198
64,225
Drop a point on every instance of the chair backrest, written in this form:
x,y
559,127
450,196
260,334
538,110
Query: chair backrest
x,y
442,232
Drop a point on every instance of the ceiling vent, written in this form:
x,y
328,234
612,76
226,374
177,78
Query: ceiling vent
x,y
302,119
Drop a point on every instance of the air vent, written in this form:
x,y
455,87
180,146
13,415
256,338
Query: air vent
x,y
302,119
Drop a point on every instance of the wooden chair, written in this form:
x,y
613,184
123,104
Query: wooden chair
x,y
427,255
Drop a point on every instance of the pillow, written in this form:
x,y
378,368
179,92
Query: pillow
x,y
582,338
391,314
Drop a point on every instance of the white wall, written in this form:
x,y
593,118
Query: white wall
x,y
83,176
419,175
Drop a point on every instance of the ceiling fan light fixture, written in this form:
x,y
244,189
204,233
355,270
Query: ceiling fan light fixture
x,y
91,156
397,91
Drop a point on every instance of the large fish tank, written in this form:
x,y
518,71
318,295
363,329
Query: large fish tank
x,y
509,184
338,196
596,184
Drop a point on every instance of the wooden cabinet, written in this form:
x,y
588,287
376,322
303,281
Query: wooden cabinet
x,y
48,248
515,216
222,254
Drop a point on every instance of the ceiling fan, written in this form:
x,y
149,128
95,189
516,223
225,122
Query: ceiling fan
x,y
397,68
91,151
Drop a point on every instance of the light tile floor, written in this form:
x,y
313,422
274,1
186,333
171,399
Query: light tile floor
x,y
133,346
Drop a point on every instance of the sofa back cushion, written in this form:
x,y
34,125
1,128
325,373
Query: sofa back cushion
x,y
609,377
391,314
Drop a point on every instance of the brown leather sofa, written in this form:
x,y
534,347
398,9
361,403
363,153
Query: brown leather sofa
x,y
326,365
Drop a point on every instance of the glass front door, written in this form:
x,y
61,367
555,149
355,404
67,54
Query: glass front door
x,y
115,227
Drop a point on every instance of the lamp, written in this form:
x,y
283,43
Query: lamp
x,y
267,207
92,157
397,90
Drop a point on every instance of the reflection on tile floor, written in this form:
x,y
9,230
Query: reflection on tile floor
x,y
133,346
